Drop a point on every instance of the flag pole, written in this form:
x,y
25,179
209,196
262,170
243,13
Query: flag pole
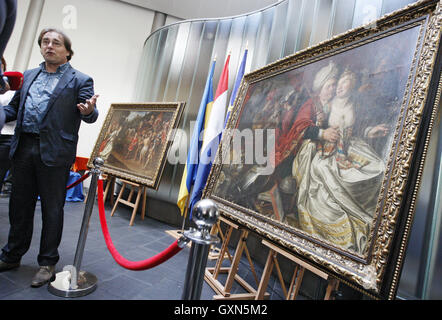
x,y
194,154
186,209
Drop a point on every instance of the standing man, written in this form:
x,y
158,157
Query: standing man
x,y
48,108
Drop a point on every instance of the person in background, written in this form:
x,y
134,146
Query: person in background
x,y
49,108
8,14
6,135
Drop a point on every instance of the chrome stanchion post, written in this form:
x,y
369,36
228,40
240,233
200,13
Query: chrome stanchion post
x,y
205,214
72,282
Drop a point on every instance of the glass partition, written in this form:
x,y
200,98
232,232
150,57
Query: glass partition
x,y
343,16
322,19
292,25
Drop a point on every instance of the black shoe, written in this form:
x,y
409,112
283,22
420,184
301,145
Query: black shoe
x,y
44,275
4,266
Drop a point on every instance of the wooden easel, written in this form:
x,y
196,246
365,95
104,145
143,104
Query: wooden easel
x,y
214,252
110,186
211,274
141,190
297,277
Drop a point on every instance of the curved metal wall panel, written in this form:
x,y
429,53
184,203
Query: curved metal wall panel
x,y
176,58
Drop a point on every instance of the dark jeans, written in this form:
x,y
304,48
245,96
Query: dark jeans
x,y
5,162
31,178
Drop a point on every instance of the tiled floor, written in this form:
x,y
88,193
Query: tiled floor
x,y
141,241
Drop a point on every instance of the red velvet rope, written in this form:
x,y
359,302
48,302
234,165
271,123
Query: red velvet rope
x,y
131,265
78,181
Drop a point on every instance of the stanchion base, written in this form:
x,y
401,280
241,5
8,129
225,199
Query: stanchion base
x,y
87,283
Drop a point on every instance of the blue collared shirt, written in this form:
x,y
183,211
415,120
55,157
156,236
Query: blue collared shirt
x,y
38,97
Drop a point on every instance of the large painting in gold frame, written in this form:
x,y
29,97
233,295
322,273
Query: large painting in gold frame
x,y
135,138
347,125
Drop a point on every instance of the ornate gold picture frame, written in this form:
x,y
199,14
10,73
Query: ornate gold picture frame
x,y
345,126
135,139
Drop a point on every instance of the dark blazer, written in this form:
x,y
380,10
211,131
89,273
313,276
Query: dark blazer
x,y
61,122
2,118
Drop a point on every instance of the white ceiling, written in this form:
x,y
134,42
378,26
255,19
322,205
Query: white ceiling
x,y
192,9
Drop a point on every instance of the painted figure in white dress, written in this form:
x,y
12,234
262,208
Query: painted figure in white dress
x,y
338,182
